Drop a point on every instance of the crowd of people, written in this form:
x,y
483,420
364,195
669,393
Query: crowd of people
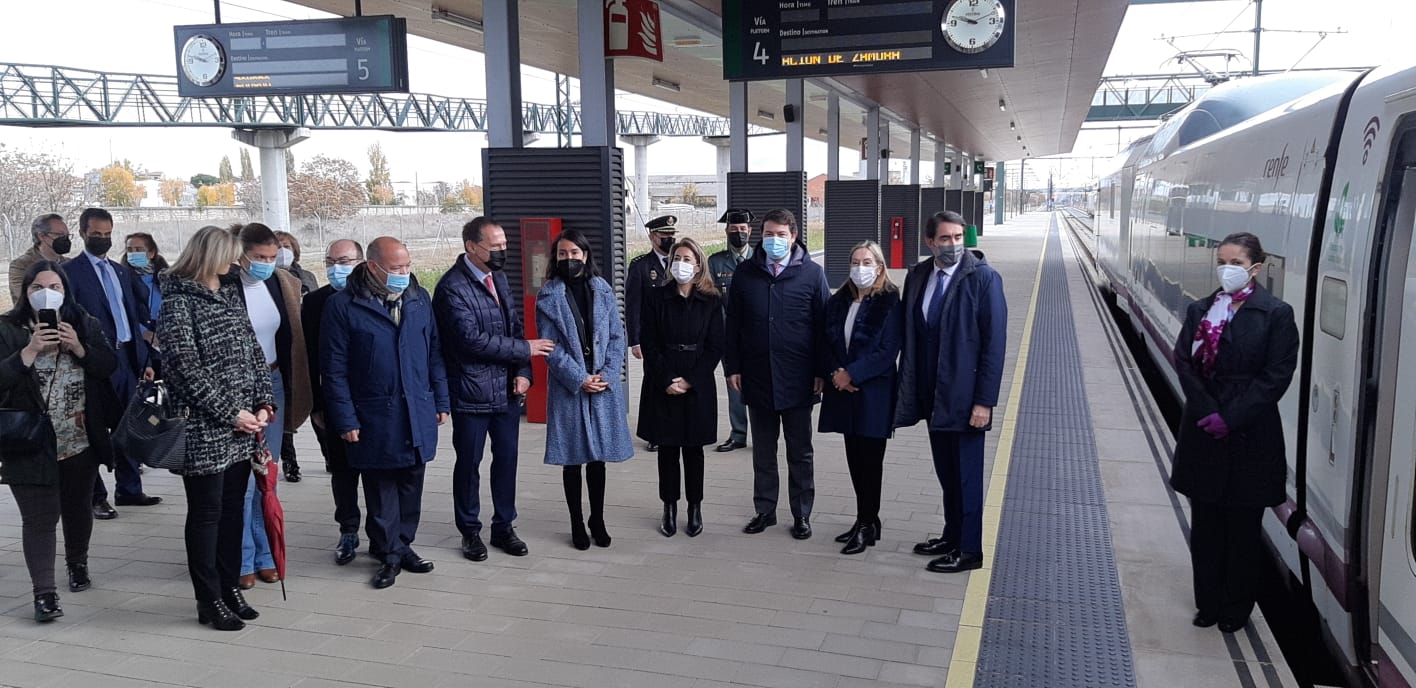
x,y
250,347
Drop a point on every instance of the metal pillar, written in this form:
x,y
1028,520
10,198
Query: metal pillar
x,y
1000,193
941,156
884,174
914,156
598,121
641,170
796,127
275,189
833,136
959,172
725,163
501,41
872,142
737,122
1258,31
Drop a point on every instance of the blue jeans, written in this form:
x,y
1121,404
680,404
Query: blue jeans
x,y
255,547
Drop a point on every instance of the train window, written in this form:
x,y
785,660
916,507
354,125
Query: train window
x,y
1332,307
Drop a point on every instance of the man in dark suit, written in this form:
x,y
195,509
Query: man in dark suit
x,y
956,331
340,260
108,291
644,274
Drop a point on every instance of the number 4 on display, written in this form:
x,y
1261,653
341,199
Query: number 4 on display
x,y
759,54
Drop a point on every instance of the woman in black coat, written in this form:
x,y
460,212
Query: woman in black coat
x,y
681,338
63,371
1235,359
864,328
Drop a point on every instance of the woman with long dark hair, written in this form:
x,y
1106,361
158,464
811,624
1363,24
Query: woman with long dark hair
x,y
54,359
585,402
141,255
1235,358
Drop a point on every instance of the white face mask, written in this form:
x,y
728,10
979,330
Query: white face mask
x,y
682,271
863,276
46,299
284,258
1232,278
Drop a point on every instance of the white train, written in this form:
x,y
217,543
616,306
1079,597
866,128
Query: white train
x,y
1322,167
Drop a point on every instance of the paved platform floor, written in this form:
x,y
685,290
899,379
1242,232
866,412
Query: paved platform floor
x,y
722,609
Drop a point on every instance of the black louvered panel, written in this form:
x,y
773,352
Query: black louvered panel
x,y
931,201
900,200
764,191
954,200
852,216
979,216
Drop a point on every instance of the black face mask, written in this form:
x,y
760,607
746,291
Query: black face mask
x,y
61,246
98,246
666,244
737,239
571,269
496,260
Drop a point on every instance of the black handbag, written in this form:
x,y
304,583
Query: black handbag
x,y
151,430
25,432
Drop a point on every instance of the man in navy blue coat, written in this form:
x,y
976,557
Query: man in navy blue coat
x,y
489,370
108,291
774,353
956,330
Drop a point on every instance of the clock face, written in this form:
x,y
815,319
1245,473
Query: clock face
x,y
973,26
203,62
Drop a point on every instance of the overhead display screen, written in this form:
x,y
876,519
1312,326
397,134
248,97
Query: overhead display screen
x,y
347,55
794,39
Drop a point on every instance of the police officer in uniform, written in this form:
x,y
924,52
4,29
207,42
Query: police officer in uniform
x,y
645,273
722,265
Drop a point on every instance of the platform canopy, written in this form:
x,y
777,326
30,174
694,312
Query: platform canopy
x,y
1062,48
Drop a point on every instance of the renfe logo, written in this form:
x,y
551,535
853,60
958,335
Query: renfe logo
x,y
1275,167
1369,137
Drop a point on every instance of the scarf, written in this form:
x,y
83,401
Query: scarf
x,y
380,291
1205,349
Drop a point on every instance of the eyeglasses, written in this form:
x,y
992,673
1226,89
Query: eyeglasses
x,y
331,262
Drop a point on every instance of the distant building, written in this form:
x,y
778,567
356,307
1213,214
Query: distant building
x,y
669,188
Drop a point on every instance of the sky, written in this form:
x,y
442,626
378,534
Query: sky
x,y
79,34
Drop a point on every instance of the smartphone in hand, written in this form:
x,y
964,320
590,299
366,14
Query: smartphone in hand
x,y
48,317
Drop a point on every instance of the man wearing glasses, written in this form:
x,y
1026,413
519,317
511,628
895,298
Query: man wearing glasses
x,y
51,242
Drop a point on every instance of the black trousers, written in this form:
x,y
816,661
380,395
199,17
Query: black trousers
x,y
692,473
42,507
470,435
795,425
343,481
395,501
1225,549
865,457
215,521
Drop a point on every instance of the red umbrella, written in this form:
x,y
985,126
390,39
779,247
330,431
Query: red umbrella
x,y
270,506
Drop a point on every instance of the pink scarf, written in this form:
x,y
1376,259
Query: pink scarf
x,y
1205,350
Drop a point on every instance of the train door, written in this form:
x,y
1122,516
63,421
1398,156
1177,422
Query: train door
x,y
1123,249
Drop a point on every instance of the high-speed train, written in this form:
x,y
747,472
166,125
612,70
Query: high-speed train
x,y
1322,167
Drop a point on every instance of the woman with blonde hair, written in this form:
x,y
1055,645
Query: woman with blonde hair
x,y
218,376
864,327
681,337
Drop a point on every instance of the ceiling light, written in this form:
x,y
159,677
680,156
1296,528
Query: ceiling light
x,y
688,41
1012,126
666,84
1002,107
466,22
823,132
766,114
1020,139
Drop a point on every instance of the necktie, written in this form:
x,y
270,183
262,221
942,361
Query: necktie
x,y
491,287
115,303
776,269
936,300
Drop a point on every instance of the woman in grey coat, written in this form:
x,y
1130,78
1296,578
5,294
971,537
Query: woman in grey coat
x,y
218,376
586,408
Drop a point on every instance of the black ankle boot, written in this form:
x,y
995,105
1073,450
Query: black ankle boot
x,y
863,537
236,602
46,607
598,532
219,616
695,520
846,536
669,525
578,536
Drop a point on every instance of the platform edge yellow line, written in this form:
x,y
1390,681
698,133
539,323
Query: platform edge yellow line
x,y
963,664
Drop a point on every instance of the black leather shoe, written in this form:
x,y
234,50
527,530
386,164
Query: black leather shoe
x,y
509,543
104,511
863,538
846,536
1204,620
598,534
236,602
956,561
801,528
346,549
413,563
760,523
578,537
46,607
695,520
730,445
385,576
1231,626
136,500
473,549
292,469
669,524
79,578
651,447
219,616
935,547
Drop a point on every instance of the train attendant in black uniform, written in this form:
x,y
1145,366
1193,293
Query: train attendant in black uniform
x,y
1235,358
682,340
864,326
644,273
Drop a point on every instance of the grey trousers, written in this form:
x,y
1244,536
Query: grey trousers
x,y
795,425
737,416
41,509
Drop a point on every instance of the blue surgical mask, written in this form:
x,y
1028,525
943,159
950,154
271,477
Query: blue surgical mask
x,y
339,275
138,260
396,283
776,247
260,271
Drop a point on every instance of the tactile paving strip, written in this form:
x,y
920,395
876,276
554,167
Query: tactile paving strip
x,y
1054,615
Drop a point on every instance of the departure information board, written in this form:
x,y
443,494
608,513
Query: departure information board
x,y
795,39
344,55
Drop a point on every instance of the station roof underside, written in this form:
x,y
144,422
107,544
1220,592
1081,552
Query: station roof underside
x,y
1062,48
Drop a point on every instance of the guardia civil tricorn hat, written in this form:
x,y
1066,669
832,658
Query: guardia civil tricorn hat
x,y
736,216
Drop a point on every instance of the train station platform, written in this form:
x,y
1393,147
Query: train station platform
x,y
1086,579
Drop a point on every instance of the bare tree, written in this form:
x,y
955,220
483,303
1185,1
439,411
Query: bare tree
x,y
326,189
32,184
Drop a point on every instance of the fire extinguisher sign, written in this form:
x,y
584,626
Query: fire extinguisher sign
x,y
632,29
